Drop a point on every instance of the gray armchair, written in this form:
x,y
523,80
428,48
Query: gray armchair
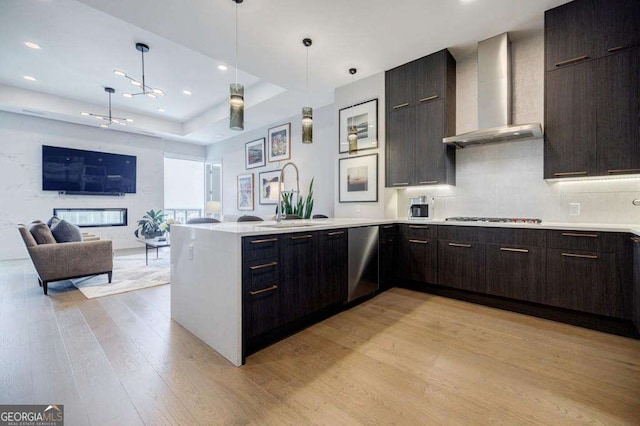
x,y
63,261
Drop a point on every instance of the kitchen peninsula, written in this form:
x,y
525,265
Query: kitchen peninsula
x,y
215,268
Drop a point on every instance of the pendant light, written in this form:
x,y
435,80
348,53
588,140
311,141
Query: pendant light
x,y
307,112
146,90
109,119
236,91
352,131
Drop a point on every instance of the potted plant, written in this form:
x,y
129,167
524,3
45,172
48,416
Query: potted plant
x,y
149,225
303,208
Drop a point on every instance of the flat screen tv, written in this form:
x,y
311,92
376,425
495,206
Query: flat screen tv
x,y
87,172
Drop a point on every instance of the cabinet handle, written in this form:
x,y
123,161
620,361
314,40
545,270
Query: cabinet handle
x,y
460,245
572,60
574,234
635,239
419,241
418,227
400,183
264,290
429,98
300,237
265,265
614,171
335,233
388,226
406,104
570,173
514,250
581,256
428,182
268,240
614,49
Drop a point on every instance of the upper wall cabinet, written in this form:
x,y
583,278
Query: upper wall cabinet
x,y
420,111
590,29
592,89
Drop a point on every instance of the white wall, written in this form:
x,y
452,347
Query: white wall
x,y
21,195
360,91
313,160
507,179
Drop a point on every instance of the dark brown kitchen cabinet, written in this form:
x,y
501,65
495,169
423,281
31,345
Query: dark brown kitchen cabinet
x,y
517,272
618,113
298,274
388,239
570,122
636,281
462,257
330,287
584,281
420,111
418,253
583,30
261,285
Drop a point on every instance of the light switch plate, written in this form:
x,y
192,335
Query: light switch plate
x,y
574,209
357,208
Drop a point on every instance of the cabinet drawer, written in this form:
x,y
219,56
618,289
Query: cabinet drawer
x,y
582,240
517,272
262,311
462,233
462,265
418,231
388,232
516,237
260,247
261,274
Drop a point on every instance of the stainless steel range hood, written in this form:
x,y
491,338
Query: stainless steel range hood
x,y
494,99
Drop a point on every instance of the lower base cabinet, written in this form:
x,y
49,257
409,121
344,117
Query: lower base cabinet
x,y
418,253
462,265
331,286
517,272
387,254
636,282
583,281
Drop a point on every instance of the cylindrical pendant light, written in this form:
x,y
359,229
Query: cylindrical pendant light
x,y
307,112
352,131
236,91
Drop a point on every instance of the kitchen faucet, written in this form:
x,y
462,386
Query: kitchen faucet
x,y
280,215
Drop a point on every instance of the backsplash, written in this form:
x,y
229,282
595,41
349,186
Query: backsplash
x,y
507,179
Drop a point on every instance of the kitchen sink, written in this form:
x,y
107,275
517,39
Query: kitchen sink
x,y
286,225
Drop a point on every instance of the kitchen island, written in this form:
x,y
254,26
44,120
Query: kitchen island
x,y
207,271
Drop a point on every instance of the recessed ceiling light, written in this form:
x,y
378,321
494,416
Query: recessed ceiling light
x,y
28,77
32,45
222,67
161,109
186,92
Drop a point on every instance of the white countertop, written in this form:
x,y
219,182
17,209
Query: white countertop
x,y
264,228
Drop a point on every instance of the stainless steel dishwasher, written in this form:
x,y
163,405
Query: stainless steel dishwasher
x,y
363,261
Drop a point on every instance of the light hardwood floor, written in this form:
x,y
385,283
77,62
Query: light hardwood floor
x,y
400,358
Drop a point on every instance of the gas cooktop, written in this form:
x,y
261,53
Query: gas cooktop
x,y
493,219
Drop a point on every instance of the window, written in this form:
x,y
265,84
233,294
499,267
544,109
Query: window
x,y
183,188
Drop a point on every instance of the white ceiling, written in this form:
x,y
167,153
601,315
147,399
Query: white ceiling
x,y
84,41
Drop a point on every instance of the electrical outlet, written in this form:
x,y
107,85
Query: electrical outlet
x,y
358,208
574,209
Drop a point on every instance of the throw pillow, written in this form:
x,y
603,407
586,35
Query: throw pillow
x,y
41,233
65,232
53,221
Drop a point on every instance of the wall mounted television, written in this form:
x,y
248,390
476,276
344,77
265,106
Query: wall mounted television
x,y
76,171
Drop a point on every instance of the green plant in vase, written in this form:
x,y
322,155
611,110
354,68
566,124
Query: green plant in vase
x,y
302,208
149,225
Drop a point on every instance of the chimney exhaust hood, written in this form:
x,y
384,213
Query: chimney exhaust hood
x,y
494,99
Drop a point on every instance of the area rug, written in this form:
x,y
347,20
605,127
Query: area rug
x,y
129,273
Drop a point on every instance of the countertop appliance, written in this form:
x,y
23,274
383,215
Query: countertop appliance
x,y
421,207
363,262
493,219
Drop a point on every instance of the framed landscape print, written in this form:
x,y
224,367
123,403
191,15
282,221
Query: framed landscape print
x,y
245,192
358,177
365,117
254,154
268,182
279,142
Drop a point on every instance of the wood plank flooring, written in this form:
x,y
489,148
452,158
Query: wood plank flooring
x,y
400,358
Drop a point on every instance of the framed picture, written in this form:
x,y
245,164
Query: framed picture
x,y
358,177
279,140
267,185
365,117
254,154
245,192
